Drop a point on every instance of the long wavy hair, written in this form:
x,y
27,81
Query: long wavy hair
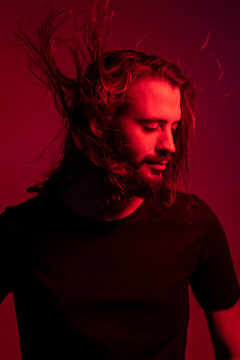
x,y
91,99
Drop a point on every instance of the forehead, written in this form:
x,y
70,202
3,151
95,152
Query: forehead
x,y
155,98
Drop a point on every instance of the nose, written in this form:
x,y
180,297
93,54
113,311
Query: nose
x,y
166,142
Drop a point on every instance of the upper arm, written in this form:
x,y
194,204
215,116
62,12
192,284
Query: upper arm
x,y
224,327
214,281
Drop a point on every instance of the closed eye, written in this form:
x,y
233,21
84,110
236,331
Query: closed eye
x,y
153,126
176,128
149,128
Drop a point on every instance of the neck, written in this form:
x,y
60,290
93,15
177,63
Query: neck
x,y
88,197
118,211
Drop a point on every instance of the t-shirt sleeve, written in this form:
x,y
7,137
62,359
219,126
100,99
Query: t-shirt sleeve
x,y
214,282
6,262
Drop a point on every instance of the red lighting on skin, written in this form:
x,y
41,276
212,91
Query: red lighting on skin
x,y
150,123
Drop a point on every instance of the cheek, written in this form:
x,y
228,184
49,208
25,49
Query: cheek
x,y
143,144
140,143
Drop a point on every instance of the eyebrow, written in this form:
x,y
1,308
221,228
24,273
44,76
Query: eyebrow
x,y
156,120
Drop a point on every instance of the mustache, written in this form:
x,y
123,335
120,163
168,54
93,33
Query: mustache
x,y
156,159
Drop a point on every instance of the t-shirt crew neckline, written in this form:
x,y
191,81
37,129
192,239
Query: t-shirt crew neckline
x,y
66,209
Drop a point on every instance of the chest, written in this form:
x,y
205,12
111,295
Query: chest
x,y
138,262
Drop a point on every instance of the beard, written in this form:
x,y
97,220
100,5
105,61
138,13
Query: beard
x,y
130,176
137,183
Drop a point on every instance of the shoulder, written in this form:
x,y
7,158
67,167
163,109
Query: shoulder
x,y
195,209
191,200
32,206
30,214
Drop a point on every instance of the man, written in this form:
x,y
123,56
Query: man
x,y
101,260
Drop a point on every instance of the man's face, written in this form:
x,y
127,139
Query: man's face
x,y
148,127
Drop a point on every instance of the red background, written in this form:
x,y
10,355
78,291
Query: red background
x,y
172,29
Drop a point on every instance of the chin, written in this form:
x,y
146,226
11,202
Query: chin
x,y
151,181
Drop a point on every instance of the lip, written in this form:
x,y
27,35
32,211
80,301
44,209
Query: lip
x,y
160,166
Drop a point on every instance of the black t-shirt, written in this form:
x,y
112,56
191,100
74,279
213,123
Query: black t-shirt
x,y
91,289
